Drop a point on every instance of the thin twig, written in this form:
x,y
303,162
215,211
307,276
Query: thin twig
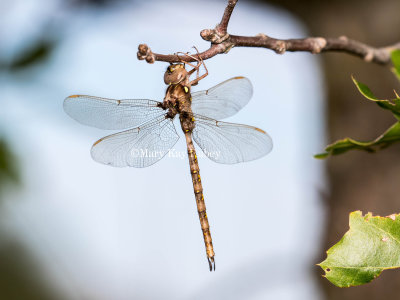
x,y
222,42
222,27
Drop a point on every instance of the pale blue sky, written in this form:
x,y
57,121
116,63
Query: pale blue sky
x,y
110,233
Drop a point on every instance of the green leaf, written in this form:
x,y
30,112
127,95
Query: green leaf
x,y
371,246
395,55
389,137
392,105
364,90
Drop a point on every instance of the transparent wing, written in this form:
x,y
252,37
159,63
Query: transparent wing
x,y
110,113
223,100
229,143
138,147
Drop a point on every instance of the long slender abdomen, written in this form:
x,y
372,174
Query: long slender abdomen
x,y
201,206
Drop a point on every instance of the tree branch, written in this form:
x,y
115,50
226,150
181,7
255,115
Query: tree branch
x,y
222,27
222,42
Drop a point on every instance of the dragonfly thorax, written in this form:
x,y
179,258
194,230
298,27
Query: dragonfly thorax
x,y
177,100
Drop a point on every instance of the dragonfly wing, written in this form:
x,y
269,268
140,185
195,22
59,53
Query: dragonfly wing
x,y
229,143
223,100
115,114
138,147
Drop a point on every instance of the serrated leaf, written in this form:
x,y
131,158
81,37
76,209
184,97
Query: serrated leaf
x,y
395,56
390,136
371,246
392,105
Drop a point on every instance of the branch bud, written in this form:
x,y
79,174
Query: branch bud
x,y
207,34
144,52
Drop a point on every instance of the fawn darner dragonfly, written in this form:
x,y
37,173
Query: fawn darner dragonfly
x,y
152,129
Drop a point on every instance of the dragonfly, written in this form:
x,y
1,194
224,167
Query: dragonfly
x,y
149,132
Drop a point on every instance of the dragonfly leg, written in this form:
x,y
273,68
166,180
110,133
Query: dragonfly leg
x,y
196,81
188,63
195,67
200,62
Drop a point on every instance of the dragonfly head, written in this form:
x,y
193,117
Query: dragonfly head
x,y
175,74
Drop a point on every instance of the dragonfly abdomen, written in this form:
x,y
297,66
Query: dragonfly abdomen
x,y
201,206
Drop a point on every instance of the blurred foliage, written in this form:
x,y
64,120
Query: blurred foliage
x,y
38,52
20,277
371,246
8,168
390,136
